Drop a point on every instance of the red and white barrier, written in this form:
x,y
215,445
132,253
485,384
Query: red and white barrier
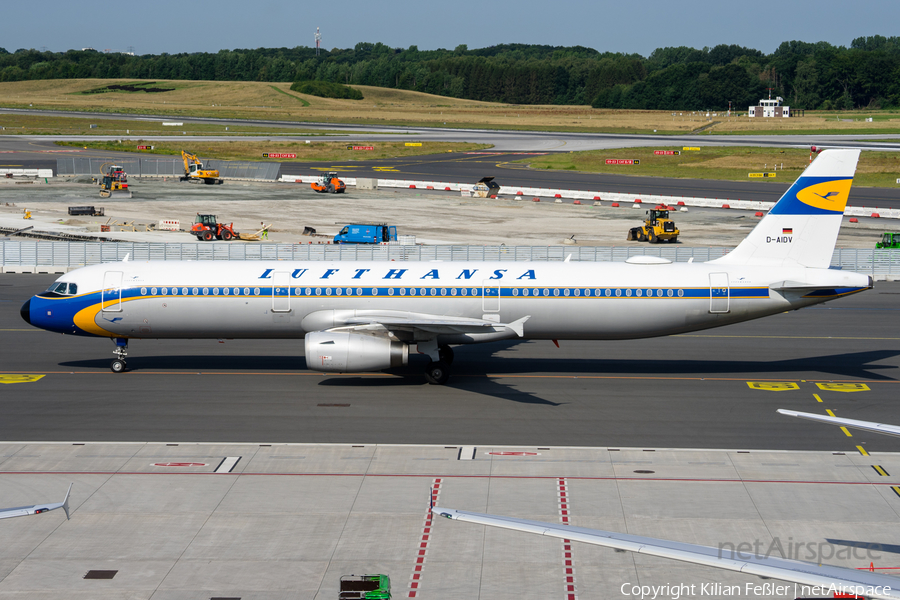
x,y
618,198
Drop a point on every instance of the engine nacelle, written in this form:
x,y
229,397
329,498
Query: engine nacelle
x,y
340,352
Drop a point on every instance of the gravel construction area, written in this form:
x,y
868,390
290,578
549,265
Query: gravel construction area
x,y
432,217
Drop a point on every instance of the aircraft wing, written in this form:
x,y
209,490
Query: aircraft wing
x,y
871,585
853,423
435,324
36,509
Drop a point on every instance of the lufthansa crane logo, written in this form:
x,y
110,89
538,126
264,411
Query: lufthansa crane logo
x,y
828,195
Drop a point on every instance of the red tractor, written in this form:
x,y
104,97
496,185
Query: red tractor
x,y
206,228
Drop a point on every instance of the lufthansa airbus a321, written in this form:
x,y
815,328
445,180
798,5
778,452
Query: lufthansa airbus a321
x,y
365,316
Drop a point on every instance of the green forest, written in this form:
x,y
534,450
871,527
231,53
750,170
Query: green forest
x,y
807,75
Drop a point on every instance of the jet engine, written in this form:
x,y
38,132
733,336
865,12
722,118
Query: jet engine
x,y
340,352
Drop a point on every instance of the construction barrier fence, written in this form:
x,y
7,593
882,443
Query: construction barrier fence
x,y
168,167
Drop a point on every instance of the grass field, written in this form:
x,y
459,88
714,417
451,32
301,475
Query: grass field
x,y
253,150
381,106
19,124
876,169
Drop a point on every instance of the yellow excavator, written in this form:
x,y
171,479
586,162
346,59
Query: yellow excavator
x,y
194,171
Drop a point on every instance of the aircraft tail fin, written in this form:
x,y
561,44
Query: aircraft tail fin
x,y
802,228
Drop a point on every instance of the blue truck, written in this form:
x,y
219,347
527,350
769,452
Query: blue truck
x,y
366,234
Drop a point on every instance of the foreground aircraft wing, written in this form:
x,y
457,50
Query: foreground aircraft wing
x,y
852,423
840,579
36,509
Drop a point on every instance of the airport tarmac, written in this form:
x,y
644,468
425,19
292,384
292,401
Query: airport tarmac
x,y
673,437
288,520
713,389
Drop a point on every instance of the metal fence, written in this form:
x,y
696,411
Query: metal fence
x,y
68,255
168,167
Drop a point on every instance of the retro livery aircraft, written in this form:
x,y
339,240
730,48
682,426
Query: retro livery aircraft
x,y
364,316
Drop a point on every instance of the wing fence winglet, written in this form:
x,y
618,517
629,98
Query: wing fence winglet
x,y
65,504
518,326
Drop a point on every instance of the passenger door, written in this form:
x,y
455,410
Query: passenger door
x,y
490,300
281,292
111,295
719,293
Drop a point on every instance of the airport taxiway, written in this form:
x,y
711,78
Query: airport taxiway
x,y
714,389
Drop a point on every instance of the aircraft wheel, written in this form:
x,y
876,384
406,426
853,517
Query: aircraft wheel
x,y
117,365
437,373
446,354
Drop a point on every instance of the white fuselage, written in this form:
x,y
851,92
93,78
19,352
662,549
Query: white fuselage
x,y
280,299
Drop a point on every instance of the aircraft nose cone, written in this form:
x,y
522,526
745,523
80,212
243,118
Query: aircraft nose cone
x,y
26,311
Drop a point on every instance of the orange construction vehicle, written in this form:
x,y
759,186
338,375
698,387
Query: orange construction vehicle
x,y
329,183
206,228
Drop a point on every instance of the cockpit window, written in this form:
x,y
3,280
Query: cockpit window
x,y
64,288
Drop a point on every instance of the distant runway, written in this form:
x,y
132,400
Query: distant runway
x,y
714,389
464,167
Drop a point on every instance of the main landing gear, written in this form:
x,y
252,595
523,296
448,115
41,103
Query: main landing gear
x,y
438,371
118,364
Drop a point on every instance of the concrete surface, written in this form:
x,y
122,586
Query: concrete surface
x,y
291,519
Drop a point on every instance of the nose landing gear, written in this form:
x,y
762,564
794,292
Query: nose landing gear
x,y
118,364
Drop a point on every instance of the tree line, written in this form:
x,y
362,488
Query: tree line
x,y
808,75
